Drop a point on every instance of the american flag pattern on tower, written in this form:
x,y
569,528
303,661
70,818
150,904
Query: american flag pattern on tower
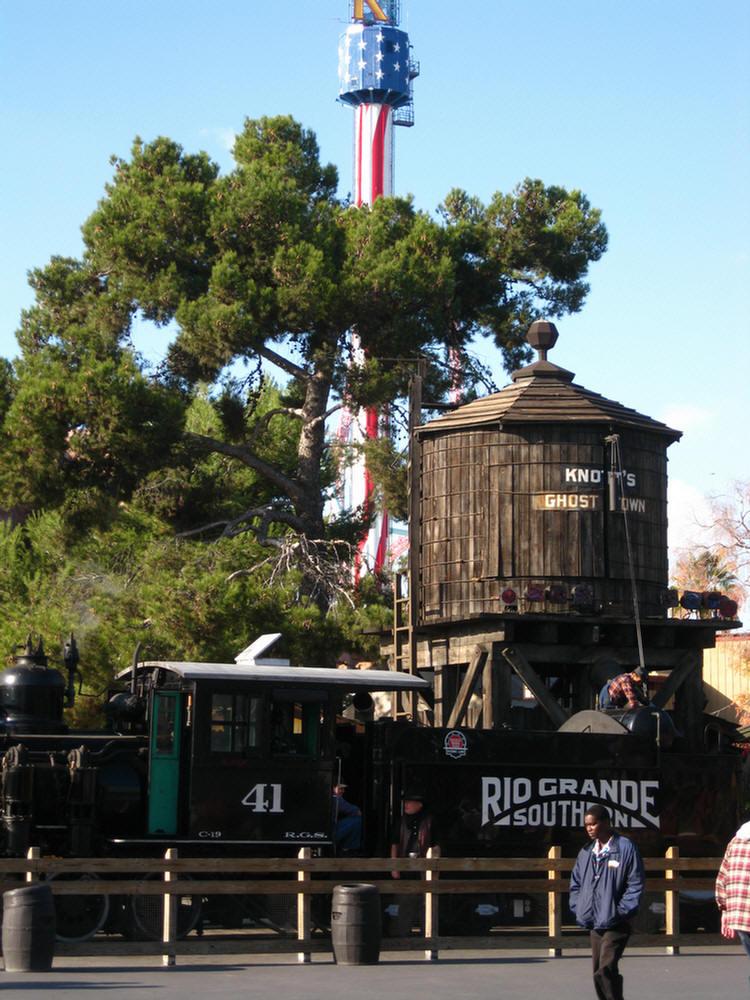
x,y
374,65
373,153
375,73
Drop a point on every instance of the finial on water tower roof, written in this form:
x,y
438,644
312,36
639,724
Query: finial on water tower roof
x,y
542,336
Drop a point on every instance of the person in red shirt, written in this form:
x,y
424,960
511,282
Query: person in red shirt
x,y
629,690
733,888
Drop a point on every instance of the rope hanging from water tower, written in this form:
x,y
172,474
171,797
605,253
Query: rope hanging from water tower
x,y
615,481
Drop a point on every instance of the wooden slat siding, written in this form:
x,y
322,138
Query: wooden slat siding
x,y
726,671
648,530
542,417
477,476
460,503
493,564
450,555
470,528
507,521
468,499
429,601
523,544
480,476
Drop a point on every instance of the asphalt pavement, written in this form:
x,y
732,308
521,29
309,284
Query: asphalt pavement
x,y
705,973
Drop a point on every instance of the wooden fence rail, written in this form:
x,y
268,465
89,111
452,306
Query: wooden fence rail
x,y
306,876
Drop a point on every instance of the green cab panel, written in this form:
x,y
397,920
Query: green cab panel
x,y
164,763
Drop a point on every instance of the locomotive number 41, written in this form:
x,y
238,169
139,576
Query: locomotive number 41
x,y
262,801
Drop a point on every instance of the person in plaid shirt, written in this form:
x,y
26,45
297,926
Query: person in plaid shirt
x,y
629,690
733,888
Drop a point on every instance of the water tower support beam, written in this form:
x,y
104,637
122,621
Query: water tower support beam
x,y
536,685
468,684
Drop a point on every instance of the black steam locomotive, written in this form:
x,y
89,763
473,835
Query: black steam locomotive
x,y
194,753
238,757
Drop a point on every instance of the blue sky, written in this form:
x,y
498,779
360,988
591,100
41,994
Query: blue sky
x,y
645,106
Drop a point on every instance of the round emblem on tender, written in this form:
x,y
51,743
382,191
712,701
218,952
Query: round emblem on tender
x,y
455,744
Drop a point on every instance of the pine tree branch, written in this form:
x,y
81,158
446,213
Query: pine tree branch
x,y
285,483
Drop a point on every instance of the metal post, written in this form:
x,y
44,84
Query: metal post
x,y
554,905
33,854
303,910
169,929
672,902
431,909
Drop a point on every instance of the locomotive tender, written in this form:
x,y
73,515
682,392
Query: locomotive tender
x,y
537,571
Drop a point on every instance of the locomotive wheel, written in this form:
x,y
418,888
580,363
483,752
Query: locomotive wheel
x,y
147,913
78,918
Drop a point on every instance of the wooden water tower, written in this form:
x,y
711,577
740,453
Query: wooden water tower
x,y
538,552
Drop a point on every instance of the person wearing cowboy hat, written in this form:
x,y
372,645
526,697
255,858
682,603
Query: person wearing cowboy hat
x,y
413,834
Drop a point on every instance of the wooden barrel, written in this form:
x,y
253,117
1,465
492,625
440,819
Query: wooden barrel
x,y
356,924
28,929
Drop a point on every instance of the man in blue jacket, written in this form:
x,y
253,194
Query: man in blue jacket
x,y
606,886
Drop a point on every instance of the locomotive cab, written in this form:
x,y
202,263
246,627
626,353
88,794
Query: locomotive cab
x,y
245,752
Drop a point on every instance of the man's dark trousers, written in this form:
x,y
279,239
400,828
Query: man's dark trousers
x,y
606,950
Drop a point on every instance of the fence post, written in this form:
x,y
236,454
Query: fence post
x,y
431,909
33,854
303,909
169,927
554,904
672,902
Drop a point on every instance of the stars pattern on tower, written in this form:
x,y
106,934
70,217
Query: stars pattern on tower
x,y
375,59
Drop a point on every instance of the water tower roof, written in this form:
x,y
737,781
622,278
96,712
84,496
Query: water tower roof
x,y
544,393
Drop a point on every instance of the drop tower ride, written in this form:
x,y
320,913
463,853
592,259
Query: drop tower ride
x,y
375,77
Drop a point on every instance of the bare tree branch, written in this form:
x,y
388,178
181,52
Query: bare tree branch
x,y
327,564
266,516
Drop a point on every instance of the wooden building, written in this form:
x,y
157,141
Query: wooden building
x,y
538,555
726,678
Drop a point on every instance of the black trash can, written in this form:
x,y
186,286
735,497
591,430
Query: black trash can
x,y
355,924
28,929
